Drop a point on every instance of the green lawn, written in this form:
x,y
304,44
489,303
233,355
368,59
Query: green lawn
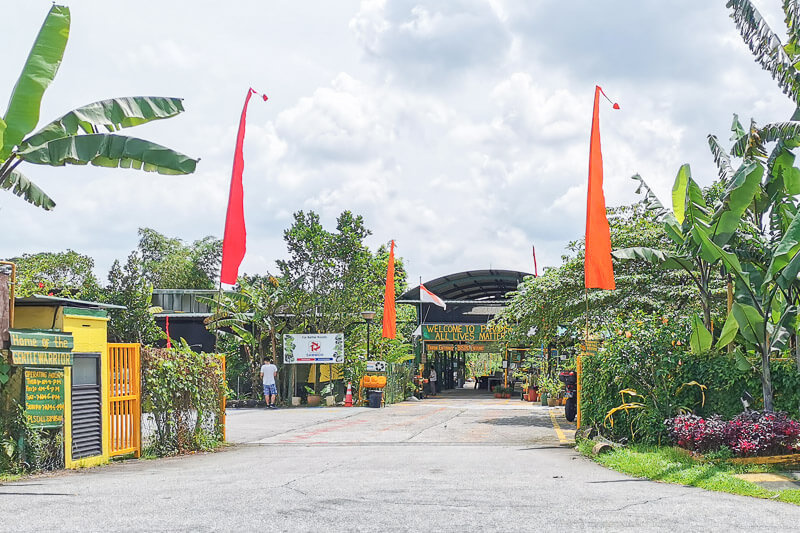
x,y
667,464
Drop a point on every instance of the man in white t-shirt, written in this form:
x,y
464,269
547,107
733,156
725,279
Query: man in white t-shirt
x,y
268,374
432,381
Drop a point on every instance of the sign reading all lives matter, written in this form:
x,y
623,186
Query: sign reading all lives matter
x,y
44,397
313,348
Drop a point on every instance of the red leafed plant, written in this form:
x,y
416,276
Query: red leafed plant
x,y
752,433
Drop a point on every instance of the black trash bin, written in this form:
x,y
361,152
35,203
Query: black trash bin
x,y
375,398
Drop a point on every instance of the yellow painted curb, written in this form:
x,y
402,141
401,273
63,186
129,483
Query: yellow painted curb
x,y
561,437
758,478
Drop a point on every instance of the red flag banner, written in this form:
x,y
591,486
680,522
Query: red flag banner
x,y
234,241
598,269
389,311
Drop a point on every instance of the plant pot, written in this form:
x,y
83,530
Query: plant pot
x,y
507,395
552,402
497,395
296,401
313,400
330,401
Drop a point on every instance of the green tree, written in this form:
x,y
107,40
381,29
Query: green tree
x,y
557,297
74,138
127,286
334,272
169,263
68,274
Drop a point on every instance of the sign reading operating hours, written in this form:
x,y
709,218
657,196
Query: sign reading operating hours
x,y
44,396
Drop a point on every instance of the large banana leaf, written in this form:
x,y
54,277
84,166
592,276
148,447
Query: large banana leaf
x,y
766,47
721,158
113,114
711,253
728,333
784,177
663,259
777,131
785,264
662,214
738,197
700,339
688,203
27,190
792,12
109,150
751,323
43,61
780,333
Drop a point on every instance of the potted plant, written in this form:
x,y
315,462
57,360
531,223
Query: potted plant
x,y
498,391
550,388
327,393
312,399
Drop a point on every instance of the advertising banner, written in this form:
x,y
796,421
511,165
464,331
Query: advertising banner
x,y
313,348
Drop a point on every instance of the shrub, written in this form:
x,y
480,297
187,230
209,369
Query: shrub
x,y
650,356
183,391
751,433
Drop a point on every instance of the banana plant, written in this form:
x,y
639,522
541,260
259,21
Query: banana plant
x,y
76,138
780,60
691,214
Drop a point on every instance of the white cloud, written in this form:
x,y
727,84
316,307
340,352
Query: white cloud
x,y
458,127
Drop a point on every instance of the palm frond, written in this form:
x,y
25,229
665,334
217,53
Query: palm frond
x,y
721,158
792,20
766,46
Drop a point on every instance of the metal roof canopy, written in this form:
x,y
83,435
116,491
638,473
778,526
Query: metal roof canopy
x,y
474,285
40,299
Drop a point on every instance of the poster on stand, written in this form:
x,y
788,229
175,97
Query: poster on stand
x,y
313,348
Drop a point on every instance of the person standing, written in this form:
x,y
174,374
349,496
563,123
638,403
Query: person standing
x,y
268,374
432,380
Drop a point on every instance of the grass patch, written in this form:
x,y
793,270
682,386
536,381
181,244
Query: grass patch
x,y
669,465
5,478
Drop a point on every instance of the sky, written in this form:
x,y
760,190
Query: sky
x,y
459,128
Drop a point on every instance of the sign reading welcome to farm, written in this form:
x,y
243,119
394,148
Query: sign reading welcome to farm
x,y
44,397
41,347
313,348
463,332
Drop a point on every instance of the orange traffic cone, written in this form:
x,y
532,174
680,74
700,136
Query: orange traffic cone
x,y
348,398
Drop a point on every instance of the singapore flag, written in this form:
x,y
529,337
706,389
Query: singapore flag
x,y
427,296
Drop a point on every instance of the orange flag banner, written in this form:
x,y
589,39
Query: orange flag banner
x,y
598,270
389,312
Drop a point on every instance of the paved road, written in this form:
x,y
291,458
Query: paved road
x,y
447,464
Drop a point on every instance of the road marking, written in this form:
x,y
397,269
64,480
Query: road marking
x,y
762,477
561,437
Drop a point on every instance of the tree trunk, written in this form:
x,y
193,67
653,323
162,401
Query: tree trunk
x,y
255,374
766,379
797,351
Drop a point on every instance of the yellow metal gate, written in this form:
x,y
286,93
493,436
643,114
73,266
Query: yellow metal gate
x,y
125,410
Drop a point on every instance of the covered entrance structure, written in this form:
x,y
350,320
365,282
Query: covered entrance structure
x,y
445,337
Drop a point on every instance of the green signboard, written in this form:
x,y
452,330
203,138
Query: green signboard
x,y
41,347
44,397
463,332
